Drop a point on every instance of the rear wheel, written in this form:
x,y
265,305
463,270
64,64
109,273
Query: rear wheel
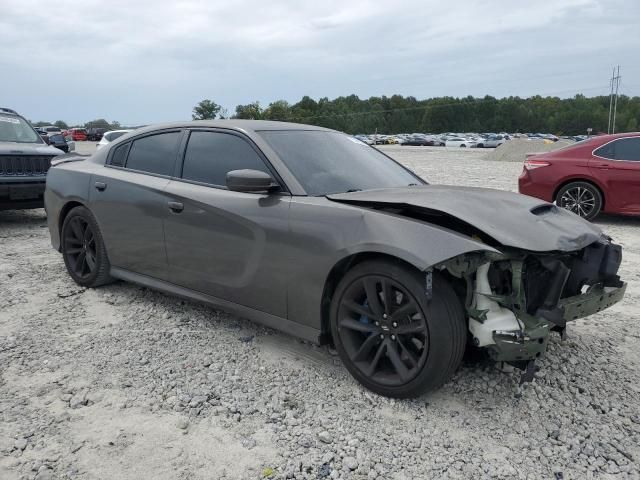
x,y
390,338
581,198
463,146
83,249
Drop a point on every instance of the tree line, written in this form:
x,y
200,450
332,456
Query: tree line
x,y
399,114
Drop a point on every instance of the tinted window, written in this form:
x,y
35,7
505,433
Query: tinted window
x,y
627,149
111,136
211,155
331,162
119,155
155,153
607,151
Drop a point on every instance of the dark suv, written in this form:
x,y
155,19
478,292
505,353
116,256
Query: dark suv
x,y
95,134
25,159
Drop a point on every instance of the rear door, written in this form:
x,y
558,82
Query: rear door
x,y
223,243
617,166
130,203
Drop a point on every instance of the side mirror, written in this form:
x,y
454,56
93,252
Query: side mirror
x,y
250,181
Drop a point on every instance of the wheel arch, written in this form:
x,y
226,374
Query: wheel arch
x,y
337,272
64,211
588,180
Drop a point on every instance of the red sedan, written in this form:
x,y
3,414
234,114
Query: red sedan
x,y
600,174
77,134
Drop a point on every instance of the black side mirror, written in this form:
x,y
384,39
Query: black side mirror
x,y
251,181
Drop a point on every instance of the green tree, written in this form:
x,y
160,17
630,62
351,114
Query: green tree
x,y
61,124
206,110
99,123
251,111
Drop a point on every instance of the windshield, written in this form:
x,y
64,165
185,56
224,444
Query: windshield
x,y
331,162
16,129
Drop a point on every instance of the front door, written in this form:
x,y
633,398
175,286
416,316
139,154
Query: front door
x,y
223,243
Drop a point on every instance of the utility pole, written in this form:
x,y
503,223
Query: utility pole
x,y
613,100
615,103
613,74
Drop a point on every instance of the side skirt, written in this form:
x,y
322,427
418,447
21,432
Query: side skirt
x,y
278,323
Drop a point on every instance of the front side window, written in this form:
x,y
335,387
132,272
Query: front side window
x,y
211,155
332,162
155,153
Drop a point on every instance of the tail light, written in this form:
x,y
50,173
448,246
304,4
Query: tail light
x,y
533,164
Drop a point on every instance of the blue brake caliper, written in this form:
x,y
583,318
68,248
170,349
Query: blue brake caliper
x,y
364,318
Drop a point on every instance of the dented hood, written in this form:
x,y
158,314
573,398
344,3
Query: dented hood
x,y
511,219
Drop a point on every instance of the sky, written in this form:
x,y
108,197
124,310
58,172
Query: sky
x,y
142,61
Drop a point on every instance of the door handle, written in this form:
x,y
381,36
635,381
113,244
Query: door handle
x,y
175,207
100,186
603,166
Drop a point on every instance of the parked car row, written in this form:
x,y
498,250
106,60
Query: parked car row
x,y
451,139
487,140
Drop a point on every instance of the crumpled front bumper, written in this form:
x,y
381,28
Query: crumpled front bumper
x,y
531,343
555,289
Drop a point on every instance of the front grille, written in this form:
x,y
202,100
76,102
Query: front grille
x,y
24,165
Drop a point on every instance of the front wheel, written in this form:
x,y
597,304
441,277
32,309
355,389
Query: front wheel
x,y
390,338
83,249
581,198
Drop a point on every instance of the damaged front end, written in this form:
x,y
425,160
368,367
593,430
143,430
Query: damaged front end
x,y
516,298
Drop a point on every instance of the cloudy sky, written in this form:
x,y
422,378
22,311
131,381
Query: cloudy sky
x,y
147,61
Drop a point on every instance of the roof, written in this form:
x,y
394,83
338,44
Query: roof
x,y
234,124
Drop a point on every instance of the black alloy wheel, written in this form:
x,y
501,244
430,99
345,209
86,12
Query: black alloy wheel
x,y
83,249
80,247
581,198
390,338
383,330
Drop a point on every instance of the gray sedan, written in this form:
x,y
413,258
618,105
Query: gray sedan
x,y
313,232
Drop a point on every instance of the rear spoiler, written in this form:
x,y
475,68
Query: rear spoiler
x,y
68,157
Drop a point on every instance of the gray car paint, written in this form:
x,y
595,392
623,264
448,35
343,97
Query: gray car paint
x,y
511,219
282,246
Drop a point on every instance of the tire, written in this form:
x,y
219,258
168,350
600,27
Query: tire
x,y
429,343
83,249
480,145
582,198
463,146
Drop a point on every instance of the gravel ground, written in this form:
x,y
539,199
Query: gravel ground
x,y
123,382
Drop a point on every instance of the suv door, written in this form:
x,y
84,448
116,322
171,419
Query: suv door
x,y
130,204
224,243
617,166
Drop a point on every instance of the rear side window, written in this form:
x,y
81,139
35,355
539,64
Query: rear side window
x,y
210,155
119,155
621,149
155,153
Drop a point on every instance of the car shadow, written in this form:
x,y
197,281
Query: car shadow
x,y
35,217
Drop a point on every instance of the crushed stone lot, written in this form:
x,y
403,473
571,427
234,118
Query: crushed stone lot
x,y
122,382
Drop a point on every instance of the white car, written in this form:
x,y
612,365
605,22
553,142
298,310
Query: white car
x,y
492,141
460,142
110,136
